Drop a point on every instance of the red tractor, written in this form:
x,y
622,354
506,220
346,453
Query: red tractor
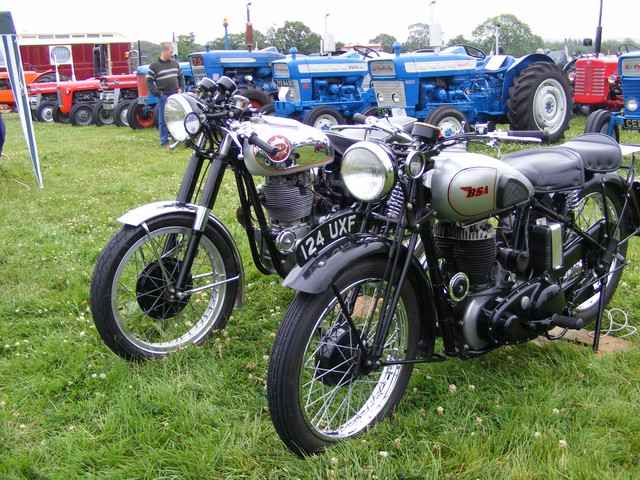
x,y
76,101
597,82
116,93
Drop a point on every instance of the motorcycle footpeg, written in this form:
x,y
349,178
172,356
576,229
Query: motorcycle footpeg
x,y
573,323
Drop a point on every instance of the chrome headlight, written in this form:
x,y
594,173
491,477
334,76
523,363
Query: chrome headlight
x,y
367,171
182,116
632,104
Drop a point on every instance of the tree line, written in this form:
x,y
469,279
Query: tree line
x,y
515,38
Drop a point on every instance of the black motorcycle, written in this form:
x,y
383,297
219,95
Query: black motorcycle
x,y
173,273
476,252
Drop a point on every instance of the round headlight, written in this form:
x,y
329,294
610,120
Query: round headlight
x,y
414,166
632,104
181,115
367,171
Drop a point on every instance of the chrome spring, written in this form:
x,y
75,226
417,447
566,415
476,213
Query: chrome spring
x,y
573,200
395,203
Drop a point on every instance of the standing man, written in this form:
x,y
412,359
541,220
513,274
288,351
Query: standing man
x,y
164,78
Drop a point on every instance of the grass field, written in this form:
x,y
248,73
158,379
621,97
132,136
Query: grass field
x,y
70,408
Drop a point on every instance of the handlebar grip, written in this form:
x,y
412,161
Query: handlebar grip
x,y
359,118
541,134
255,140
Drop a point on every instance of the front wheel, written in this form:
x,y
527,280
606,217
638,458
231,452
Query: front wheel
x,y
600,122
102,116
323,117
449,120
319,386
81,115
133,300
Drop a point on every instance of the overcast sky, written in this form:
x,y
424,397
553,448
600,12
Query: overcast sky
x,y
349,21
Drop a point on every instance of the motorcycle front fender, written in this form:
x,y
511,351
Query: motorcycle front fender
x,y
145,213
317,275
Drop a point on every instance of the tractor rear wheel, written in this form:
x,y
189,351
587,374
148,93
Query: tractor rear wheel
x,y
540,99
139,116
599,121
257,97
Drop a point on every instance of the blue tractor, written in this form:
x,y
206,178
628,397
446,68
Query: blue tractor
x,y
627,118
322,91
250,70
461,85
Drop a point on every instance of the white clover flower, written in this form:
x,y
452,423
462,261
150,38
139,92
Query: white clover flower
x,y
384,454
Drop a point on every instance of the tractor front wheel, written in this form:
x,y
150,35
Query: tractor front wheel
x,y
323,117
540,99
81,114
599,122
449,120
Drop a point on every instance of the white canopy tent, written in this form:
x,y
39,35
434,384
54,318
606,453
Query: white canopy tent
x,y
11,55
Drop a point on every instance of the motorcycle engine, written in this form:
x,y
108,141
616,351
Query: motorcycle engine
x,y
469,250
288,200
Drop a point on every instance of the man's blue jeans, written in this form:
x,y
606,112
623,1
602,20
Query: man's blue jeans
x,y
162,126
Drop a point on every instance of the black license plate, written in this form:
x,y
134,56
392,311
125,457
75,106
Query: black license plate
x,y
326,233
632,123
285,83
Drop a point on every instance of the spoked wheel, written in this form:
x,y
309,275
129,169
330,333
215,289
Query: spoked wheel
x,y
133,301
590,212
320,388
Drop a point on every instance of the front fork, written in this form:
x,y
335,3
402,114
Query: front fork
x,y
204,206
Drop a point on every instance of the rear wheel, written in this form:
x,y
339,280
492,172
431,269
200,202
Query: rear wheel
x,y
324,117
257,97
319,387
134,306
600,122
541,99
593,208
140,116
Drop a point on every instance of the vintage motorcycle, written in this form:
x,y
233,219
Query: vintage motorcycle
x,y
173,273
471,251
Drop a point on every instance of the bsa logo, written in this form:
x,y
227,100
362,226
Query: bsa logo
x,y
284,148
474,192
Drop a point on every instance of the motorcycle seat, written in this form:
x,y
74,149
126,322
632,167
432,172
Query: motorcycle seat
x,y
549,169
599,152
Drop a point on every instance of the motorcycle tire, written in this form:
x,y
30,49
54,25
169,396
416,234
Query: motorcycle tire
x,y
318,391
589,211
132,304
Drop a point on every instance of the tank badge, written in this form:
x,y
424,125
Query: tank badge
x,y
284,148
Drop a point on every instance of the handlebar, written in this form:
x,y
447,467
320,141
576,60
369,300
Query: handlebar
x,y
253,139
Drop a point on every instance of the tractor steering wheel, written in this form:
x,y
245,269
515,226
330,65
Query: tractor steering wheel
x,y
473,51
366,51
627,47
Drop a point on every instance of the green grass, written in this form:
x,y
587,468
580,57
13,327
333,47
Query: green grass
x,y
69,408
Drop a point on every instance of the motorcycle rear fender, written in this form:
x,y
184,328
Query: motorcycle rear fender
x,y
322,271
144,213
